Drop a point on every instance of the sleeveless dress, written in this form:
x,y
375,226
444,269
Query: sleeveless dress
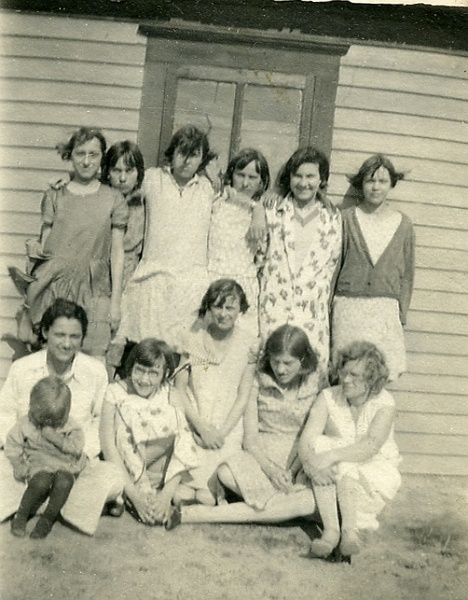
x,y
213,389
377,479
280,423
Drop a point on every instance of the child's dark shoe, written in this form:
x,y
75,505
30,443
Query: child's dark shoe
x,y
174,518
42,529
18,526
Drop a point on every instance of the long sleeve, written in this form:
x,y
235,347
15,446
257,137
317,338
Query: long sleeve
x,y
408,276
14,445
8,404
69,439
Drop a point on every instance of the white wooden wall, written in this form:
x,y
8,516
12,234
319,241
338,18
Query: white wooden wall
x,y
58,73
412,105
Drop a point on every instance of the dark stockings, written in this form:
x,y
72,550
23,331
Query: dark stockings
x,y
55,486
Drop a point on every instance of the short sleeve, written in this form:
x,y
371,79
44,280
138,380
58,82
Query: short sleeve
x,y
119,217
48,206
254,352
112,394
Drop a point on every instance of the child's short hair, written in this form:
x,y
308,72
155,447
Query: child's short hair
x,y
292,340
188,140
78,138
132,158
147,352
219,291
244,158
49,402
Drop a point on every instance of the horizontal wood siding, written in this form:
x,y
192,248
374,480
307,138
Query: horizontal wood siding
x,y
411,105
56,75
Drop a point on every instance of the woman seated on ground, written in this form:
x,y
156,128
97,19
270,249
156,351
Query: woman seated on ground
x,y
143,434
64,325
348,450
214,388
264,474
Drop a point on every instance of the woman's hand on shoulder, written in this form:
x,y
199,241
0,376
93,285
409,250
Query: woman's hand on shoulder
x,y
60,182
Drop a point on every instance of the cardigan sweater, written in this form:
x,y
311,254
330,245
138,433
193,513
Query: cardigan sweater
x,y
393,274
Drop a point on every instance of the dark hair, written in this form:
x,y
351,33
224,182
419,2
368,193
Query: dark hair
x,y
64,308
244,158
301,157
188,140
217,294
132,158
370,166
49,402
147,352
375,367
78,138
292,340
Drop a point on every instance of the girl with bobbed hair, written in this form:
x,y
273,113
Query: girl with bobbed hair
x,y
79,255
375,282
233,248
348,449
124,170
170,279
146,437
302,255
266,473
213,387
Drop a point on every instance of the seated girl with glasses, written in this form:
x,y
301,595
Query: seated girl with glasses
x,y
348,450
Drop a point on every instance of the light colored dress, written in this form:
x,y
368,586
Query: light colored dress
x,y
377,479
281,418
230,256
299,291
163,294
79,247
151,421
213,387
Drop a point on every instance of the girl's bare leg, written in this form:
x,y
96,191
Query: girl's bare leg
x,y
282,507
350,542
328,509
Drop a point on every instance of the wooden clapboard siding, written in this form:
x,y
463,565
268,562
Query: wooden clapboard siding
x,y
411,105
57,74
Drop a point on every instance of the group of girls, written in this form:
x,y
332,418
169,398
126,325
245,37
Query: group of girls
x,y
140,253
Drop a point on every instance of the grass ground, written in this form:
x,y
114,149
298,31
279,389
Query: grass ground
x,y
420,552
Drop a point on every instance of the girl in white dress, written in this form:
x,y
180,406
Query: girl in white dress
x,y
233,246
348,450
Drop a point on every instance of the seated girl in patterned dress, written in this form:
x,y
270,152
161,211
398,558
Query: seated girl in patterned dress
x,y
146,436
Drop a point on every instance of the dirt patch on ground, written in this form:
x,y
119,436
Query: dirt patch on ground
x,y
420,552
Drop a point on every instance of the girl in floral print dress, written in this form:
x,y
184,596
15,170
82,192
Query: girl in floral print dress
x,y
303,250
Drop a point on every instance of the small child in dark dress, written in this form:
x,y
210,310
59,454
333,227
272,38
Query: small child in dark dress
x,y
45,449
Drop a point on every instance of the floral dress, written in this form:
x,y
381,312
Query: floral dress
x,y
151,421
377,479
281,418
299,291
